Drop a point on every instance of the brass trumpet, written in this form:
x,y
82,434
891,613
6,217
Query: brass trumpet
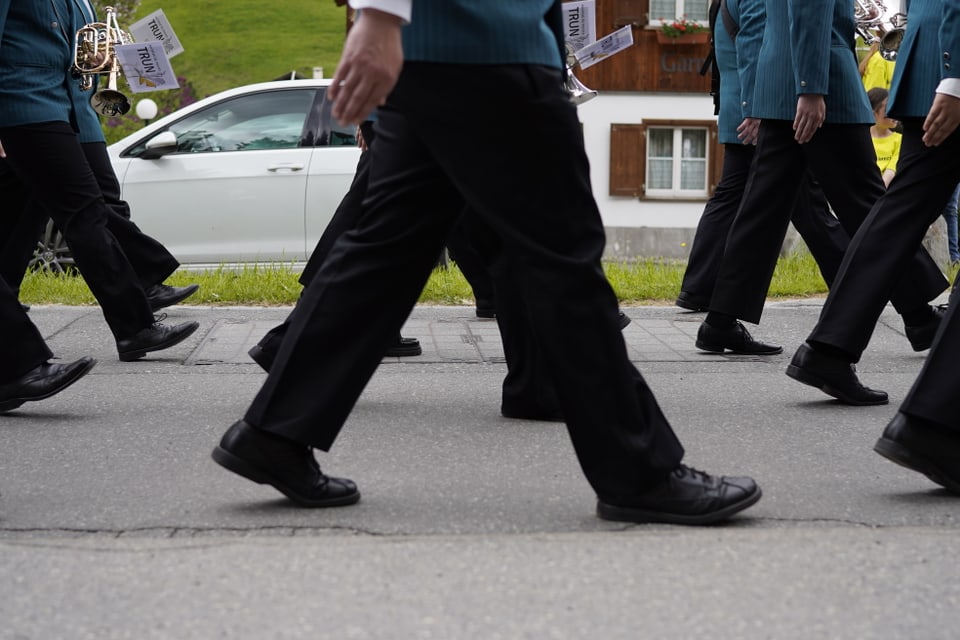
x,y
871,26
95,54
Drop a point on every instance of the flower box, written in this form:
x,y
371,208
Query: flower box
x,y
701,37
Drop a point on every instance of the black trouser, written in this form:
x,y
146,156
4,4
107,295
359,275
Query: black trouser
x,y
50,165
886,244
811,216
516,158
842,159
22,347
149,259
935,394
347,216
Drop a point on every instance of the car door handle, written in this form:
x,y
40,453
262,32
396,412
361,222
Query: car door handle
x,y
285,166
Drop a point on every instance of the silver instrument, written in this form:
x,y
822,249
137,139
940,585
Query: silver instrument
x,y
95,54
578,92
873,27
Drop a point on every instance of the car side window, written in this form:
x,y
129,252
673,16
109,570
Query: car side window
x,y
323,130
343,136
267,120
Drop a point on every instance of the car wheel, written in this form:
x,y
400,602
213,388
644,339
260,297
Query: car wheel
x,y
52,253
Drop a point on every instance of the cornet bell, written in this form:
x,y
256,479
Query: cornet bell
x,y
110,103
890,44
577,91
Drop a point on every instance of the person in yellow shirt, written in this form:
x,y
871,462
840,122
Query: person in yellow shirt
x,y
875,70
886,141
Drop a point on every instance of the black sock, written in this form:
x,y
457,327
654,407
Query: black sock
x,y
720,320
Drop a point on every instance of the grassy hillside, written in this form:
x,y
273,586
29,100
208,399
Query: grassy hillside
x,y
233,42
228,43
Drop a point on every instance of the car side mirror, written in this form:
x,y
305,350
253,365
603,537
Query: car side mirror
x,y
160,145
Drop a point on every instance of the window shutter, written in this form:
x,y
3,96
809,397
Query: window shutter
x,y
627,159
632,12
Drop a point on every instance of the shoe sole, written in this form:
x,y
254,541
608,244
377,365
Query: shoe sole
x,y
10,405
403,352
902,456
809,379
243,468
640,516
192,289
713,348
130,356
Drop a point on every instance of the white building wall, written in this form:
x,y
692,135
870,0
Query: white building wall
x,y
633,108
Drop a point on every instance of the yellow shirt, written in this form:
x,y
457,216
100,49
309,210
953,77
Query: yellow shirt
x,y
879,72
888,151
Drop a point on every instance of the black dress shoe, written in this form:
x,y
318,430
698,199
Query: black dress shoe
x,y
156,337
624,320
42,382
691,302
921,336
404,347
25,307
923,446
833,376
287,466
263,357
162,295
687,496
736,339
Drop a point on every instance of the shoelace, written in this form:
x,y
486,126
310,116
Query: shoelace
x,y
315,466
683,470
159,318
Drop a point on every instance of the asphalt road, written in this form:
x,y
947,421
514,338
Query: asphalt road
x,y
115,523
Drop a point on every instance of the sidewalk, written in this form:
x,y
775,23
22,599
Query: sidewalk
x,y
114,523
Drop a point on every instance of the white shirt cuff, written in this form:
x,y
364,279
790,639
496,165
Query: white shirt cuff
x,y
399,8
949,86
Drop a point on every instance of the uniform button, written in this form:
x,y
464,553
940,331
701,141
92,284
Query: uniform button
x,y
946,65
743,104
54,25
803,83
946,55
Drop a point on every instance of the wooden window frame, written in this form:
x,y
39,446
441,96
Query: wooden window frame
x,y
628,158
654,22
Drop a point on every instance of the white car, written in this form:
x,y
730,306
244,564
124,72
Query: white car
x,y
252,174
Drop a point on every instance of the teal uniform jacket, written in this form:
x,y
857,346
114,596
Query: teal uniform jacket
x,y
501,32
36,55
929,53
737,62
808,48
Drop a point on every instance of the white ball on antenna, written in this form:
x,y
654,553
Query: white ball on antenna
x,y
146,109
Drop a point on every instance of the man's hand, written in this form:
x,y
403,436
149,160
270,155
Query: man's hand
x,y
369,67
811,112
3,154
942,120
748,130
